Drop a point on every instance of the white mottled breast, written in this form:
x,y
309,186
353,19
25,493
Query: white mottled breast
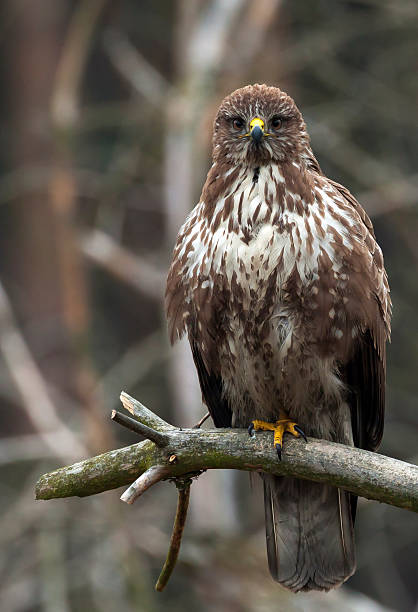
x,y
275,234
261,238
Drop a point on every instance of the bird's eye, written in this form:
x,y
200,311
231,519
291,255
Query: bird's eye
x,y
276,123
238,123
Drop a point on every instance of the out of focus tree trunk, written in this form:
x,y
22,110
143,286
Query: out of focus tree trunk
x,y
48,287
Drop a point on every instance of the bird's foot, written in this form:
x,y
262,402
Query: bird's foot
x,y
279,428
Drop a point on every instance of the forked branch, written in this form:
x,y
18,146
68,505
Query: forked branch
x,y
185,451
180,454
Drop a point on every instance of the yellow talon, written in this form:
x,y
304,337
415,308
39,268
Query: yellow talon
x,y
263,425
279,428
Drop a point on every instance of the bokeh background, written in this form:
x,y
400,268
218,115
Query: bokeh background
x,y
105,123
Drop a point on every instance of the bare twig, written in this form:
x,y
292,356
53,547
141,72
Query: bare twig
x,y
202,420
143,430
143,414
183,486
153,475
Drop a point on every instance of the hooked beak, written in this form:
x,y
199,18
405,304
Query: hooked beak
x,y
257,129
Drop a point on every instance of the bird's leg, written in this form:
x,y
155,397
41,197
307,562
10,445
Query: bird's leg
x,y
280,427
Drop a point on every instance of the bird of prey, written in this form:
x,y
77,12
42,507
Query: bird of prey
x,y
280,285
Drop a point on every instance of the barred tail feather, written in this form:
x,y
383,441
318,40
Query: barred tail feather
x,y
309,531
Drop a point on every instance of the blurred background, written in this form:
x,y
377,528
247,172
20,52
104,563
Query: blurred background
x,y
105,124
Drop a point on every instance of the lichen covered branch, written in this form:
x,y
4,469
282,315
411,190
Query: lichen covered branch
x,y
364,473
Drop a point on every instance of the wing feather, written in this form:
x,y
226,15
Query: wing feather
x,y
212,390
364,376
364,373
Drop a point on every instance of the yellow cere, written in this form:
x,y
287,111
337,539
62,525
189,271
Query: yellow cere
x,y
257,121
253,123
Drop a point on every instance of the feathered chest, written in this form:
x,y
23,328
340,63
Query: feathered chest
x,y
259,235
271,246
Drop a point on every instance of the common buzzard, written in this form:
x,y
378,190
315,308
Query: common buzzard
x,y
280,285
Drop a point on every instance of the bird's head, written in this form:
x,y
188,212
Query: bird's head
x,y
259,124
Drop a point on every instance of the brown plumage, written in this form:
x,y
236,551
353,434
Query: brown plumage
x,y
280,285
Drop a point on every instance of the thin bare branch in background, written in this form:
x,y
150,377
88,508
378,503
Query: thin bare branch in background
x,y
65,97
257,19
32,388
65,100
138,72
124,265
28,447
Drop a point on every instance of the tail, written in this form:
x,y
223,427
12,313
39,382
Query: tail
x,y
309,531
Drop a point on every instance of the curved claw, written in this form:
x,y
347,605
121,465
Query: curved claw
x,y
279,451
300,432
251,430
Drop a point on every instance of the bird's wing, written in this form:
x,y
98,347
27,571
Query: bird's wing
x,y
364,375
181,317
365,371
212,389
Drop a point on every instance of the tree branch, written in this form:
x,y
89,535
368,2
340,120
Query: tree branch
x,y
143,430
183,486
362,472
153,475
